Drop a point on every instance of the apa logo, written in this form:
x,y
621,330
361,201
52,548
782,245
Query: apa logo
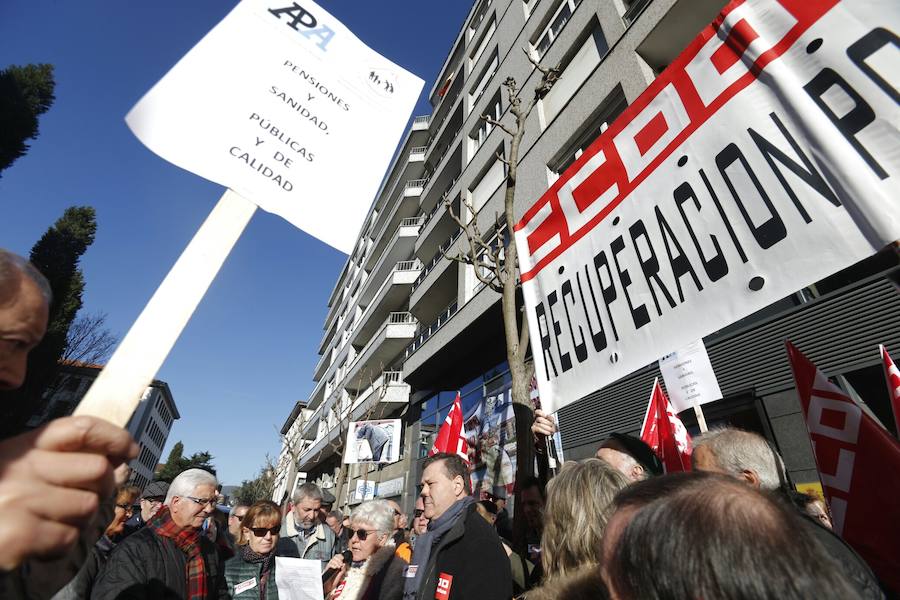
x,y
443,586
381,81
297,15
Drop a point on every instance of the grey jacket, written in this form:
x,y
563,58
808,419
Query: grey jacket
x,y
319,546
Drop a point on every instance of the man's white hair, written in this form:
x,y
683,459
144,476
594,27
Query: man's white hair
x,y
736,450
185,484
13,267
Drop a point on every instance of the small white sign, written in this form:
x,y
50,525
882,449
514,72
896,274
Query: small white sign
x,y
284,105
373,441
298,578
365,490
689,377
389,488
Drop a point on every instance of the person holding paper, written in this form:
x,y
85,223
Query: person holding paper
x,y
170,557
251,573
52,479
375,572
313,540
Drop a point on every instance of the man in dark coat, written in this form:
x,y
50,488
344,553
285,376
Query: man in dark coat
x,y
169,558
460,554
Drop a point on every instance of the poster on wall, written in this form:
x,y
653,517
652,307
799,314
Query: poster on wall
x,y
490,429
373,442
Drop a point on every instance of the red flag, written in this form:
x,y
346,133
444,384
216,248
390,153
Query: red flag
x,y
664,432
892,376
858,462
451,437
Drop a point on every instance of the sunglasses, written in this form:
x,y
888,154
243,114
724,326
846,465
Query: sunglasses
x,y
362,534
240,518
418,513
262,531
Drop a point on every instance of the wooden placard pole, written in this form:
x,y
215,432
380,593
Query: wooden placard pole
x,y
118,389
701,420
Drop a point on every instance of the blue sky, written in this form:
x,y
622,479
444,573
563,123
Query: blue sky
x,y
249,352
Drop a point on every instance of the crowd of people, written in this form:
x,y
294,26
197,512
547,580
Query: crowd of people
x,y
613,526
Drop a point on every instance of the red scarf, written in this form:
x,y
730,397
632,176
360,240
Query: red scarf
x,y
188,541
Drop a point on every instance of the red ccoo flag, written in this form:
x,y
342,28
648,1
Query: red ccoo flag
x,y
451,436
664,432
892,376
857,462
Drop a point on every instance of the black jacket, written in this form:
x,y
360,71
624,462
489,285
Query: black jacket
x,y
471,554
147,566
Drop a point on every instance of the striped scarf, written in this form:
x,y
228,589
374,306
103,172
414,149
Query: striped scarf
x,y
188,541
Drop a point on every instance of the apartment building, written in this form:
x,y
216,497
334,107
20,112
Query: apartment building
x,y
408,329
149,425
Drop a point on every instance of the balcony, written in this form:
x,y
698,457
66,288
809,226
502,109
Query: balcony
x,y
421,123
438,227
426,332
382,350
675,30
405,209
392,294
437,258
397,248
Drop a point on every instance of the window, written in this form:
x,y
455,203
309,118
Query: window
x,y
480,12
478,137
609,110
558,20
483,80
482,43
490,180
576,69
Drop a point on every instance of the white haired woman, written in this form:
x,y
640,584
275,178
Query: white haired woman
x,y
376,572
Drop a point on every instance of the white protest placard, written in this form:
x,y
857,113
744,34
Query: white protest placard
x,y
690,380
298,578
373,441
284,105
765,158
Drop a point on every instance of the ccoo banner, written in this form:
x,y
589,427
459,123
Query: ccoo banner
x,y
284,105
763,159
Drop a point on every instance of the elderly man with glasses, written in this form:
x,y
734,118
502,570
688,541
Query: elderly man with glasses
x,y
169,558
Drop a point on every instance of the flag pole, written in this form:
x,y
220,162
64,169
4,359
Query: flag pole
x,y
118,390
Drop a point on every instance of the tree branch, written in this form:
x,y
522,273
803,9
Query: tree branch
x,y
496,123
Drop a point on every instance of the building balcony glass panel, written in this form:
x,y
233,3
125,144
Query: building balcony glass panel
x,y
671,34
406,208
398,247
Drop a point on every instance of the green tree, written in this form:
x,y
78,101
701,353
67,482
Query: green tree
x,y
25,94
253,490
56,255
177,462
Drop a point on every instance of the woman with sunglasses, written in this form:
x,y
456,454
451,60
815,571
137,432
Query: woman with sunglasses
x,y
251,573
376,572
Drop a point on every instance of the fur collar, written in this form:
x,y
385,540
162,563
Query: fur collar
x,y
356,582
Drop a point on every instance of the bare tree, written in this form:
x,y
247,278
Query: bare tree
x,y
494,258
89,340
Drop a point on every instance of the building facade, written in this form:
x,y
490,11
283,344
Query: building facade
x,y
149,425
407,328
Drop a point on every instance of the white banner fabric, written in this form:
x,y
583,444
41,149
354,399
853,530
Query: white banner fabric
x,y
284,105
765,158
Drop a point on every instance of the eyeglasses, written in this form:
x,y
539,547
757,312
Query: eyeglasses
x,y
202,501
126,507
261,531
362,534
418,513
239,517
396,513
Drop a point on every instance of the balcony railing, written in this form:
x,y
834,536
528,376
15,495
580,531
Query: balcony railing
x,y
417,150
415,183
410,222
422,120
407,265
399,318
435,259
634,9
427,332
